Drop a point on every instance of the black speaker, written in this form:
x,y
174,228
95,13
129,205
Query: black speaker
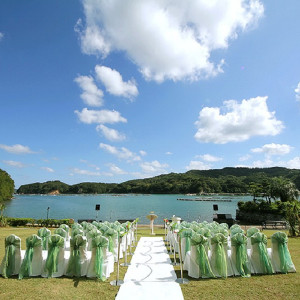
x,y
97,207
215,207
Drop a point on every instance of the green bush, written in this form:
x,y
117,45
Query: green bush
x,y
39,222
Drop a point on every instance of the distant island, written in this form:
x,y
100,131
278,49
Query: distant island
x,y
226,180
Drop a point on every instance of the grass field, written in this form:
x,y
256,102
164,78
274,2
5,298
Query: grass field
x,y
271,287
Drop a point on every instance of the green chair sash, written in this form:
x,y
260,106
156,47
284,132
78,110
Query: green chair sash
x,y
187,234
284,254
26,268
239,241
77,243
61,232
77,231
200,241
44,233
93,233
219,240
100,243
111,234
251,231
261,240
12,242
236,230
55,242
65,227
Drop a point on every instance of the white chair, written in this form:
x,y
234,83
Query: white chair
x,y
280,256
11,262
78,260
55,262
102,262
67,229
259,255
32,264
220,260
239,256
250,232
197,261
44,233
91,235
64,234
185,246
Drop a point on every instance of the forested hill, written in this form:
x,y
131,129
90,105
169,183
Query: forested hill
x,y
227,180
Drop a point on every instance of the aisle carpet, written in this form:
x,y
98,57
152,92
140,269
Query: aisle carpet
x,y
150,275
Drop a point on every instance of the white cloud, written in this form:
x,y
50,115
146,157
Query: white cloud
x,y
198,165
114,84
169,153
209,158
273,149
91,95
50,170
111,134
116,170
154,167
143,153
85,172
166,39
121,153
268,163
17,149
15,164
1,36
297,91
245,157
99,116
239,122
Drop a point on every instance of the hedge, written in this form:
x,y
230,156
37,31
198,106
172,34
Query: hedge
x,y
37,222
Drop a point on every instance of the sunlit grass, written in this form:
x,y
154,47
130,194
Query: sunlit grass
x,y
257,287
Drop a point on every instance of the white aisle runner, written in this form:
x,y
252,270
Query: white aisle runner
x,y
150,275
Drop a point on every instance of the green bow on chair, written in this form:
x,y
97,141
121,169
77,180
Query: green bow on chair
x,y
65,227
12,242
239,241
76,244
220,240
110,234
26,268
187,234
200,241
93,233
44,233
55,242
100,243
284,254
261,240
252,231
61,232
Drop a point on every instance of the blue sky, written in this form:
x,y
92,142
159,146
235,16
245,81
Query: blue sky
x,y
107,91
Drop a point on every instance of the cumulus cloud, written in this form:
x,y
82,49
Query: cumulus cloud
x,y
169,153
17,149
1,36
90,116
239,122
110,133
116,170
154,167
198,165
273,149
15,164
84,172
209,158
293,163
50,170
121,153
245,157
91,95
114,84
166,39
143,153
297,91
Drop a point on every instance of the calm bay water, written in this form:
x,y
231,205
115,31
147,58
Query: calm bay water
x,y
114,207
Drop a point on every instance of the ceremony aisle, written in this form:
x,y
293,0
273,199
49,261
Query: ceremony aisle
x,y
150,274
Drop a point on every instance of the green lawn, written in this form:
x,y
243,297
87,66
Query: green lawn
x,y
269,287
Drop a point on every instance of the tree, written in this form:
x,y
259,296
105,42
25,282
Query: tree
x,y
284,189
292,211
7,186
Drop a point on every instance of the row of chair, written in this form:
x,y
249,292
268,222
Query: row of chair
x,y
72,252
211,250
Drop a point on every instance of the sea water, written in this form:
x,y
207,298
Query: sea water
x,y
125,206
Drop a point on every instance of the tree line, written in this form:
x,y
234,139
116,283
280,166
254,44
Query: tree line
x,y
228,180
